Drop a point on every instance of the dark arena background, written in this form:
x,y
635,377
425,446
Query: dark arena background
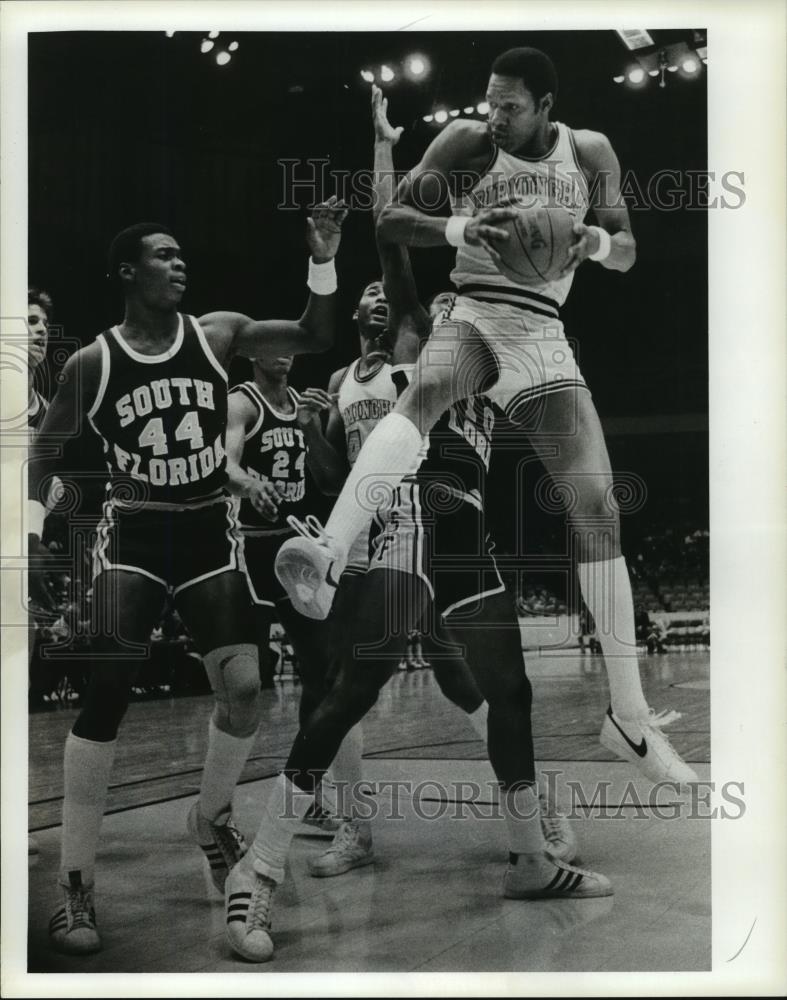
x,y
130,126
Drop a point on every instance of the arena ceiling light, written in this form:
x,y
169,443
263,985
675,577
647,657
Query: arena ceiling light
x,y
387,74
232,47
170,34
441,116
206,45
483,108
213,34
416,66
636,75
366,74
222,58
690,65
470,110
428,118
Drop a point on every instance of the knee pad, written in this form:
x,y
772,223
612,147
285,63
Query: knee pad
x,y
234,675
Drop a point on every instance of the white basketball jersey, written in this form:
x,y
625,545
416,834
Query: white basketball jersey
x,y
363,402
553,179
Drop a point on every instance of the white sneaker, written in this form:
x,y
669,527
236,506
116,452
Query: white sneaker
x,y
248,901
72,928
220,840
561,844
541,877
351,848
309,567
642,742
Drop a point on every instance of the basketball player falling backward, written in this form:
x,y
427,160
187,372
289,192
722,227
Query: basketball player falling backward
x,y
430,553
507,339
155,390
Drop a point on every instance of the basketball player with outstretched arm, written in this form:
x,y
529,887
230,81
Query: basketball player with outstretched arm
x,y
154,388
506,339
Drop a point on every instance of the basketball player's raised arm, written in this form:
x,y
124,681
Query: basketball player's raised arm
x,y
602,170
64,419
262,494
326,453
448,164
231,334
408,321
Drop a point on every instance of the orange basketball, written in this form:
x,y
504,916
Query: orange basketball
x,y
537,245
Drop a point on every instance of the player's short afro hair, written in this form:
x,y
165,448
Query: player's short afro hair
x,y
126,246
532,66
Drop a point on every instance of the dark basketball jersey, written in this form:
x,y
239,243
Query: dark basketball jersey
x,y
163,418
274,449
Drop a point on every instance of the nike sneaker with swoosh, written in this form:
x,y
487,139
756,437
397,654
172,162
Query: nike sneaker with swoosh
x,y
642,742
309,567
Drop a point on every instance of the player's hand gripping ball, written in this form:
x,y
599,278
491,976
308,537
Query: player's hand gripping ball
x,y
536,250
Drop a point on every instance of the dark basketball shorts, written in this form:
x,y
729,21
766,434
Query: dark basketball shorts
x,y
440,537
176,547
260,553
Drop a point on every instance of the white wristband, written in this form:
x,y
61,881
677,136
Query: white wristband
x,y
36,514
604,244
322,277
455,230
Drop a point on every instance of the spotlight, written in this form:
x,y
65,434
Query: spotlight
x,y
416,65
367,75
470,110
672,69
386,74
205,46
636,75
213,34
428,118
653,72
222,58
483,108
690,65
455,113
618,79
169,34
233,47
441,116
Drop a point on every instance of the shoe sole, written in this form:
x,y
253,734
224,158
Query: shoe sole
x,y
551,894
360,863
288,572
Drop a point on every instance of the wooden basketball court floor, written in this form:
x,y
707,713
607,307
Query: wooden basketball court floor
x,y
432,901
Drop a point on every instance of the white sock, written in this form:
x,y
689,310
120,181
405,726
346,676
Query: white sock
x,y
224,762
390,452
523,821
281,820
478,719
86,768
347,772
606,589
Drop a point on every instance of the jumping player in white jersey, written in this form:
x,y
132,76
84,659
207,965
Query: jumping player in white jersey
x,y
507,339
155,389
430,554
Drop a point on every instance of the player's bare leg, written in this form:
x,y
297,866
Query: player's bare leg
x,y
456,363
570,442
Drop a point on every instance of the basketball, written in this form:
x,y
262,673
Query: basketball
x,y
537,244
